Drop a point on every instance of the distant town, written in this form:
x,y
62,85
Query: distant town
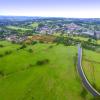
x,y
18,28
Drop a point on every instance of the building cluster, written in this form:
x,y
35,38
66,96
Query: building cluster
x,y
15,38
62,28
71,28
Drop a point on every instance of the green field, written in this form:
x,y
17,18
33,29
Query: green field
x,y
17,28
34,25
80,38
22,78
98,41
91,65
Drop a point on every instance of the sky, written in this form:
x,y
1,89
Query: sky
x,y
51,8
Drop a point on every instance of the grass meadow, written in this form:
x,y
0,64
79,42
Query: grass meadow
x,y
91,66
41,72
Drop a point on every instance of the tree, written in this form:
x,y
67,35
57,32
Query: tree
x,y
90,40
40,25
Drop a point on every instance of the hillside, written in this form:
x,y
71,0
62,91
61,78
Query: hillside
x,y
39,72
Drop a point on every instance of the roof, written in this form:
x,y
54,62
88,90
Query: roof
x,y
97,32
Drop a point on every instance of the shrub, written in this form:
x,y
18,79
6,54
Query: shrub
x,y
2,73
83,93
34,42
42,62
23,46
30,50
41,41
88,45
1,46
30,65
51,46
8,52
1,55
13,42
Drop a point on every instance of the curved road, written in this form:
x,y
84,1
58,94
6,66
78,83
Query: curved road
x,y
86,83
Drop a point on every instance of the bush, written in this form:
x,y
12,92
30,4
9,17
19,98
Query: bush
x,y
67,41
8,52
51,46
34,42
13,42
23,46
2,73
42,62
30,50
88,45
30,65
41,41
83,93
1,55
1,46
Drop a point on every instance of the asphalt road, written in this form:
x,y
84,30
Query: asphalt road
x,y
86,83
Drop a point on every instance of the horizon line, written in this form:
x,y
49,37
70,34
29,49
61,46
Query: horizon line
x,y
50,16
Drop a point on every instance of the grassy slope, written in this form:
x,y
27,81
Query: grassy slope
x,y
8,46
91,65
54,81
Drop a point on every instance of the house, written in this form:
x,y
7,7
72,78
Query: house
x,y
15,38
11,37
97,34
72,27
88,32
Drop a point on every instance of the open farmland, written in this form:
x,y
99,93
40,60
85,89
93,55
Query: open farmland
x,y
39,72
91,66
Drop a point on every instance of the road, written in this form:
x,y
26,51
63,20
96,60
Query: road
x,y
85,81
